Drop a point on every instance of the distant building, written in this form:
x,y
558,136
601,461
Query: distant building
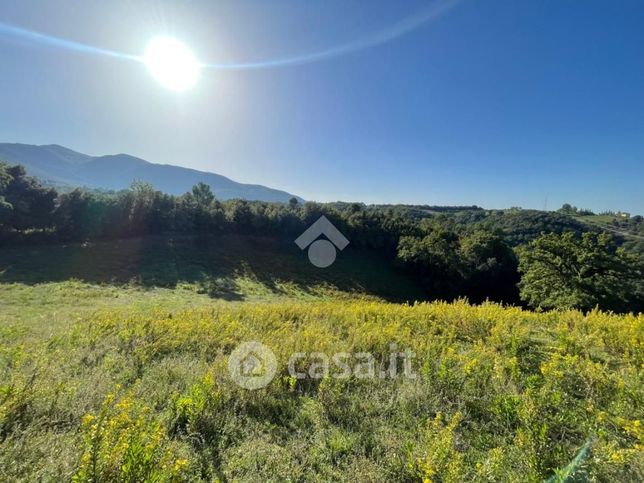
x,y
622,214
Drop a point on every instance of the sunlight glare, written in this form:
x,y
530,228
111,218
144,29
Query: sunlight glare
x,y
172,63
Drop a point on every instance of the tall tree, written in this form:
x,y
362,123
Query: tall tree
x,y
203,195
435,259
565,271
491,267
24,202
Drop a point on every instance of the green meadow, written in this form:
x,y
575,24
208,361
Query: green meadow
x,y
114,368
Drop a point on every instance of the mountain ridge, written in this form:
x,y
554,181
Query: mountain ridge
x,y
54,163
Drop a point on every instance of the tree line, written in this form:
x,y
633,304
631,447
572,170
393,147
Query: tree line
x,y
543,260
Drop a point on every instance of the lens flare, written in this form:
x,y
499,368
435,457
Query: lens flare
x,y
174,65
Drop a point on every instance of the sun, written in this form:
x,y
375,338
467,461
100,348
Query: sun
x,y
172,63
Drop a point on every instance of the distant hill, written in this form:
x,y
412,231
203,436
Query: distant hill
x,y
54,164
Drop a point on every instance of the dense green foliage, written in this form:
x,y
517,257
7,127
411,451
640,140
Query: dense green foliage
x,y
564,271
24,203
521,226
477,264
628,229
136,393
452,251
569,209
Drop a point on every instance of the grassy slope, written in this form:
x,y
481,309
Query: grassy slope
x,y
225,267
126,364
501,394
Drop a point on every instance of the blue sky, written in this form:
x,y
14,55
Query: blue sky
x,y
498,103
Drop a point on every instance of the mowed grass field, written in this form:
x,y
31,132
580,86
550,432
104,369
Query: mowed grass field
x,y
113,367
